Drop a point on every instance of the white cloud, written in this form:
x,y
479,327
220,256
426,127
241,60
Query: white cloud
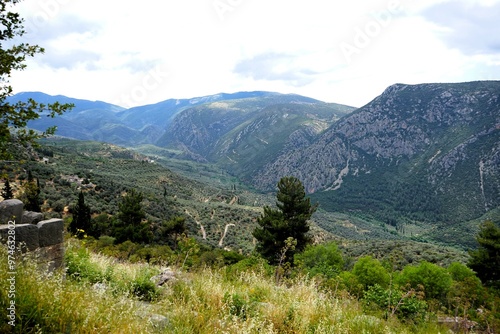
x,y
131,54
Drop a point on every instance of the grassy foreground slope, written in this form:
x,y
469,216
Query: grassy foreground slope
x,y
104,298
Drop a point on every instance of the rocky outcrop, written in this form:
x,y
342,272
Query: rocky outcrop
x,y
167,275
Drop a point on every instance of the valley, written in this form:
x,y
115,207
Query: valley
x,y
419,162
403,187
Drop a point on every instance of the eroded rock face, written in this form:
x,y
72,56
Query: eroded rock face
x,y
404,122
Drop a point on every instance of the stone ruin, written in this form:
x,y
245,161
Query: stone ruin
x,y
41,238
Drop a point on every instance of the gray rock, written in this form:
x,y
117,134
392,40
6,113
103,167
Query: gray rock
x,y
164,277
30,217
159,321
26,236
11,209
50,232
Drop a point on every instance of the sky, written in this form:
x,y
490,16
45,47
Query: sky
x,y
132,53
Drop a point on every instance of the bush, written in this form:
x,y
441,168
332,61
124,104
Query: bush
x,y
459,272
144,288
369,271
252,263
153,254
80,268
435,280
219,258
325,260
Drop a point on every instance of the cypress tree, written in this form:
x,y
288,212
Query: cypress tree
x,y
7,191
81,223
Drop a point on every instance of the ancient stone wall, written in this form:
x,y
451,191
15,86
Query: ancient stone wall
x,y
43,240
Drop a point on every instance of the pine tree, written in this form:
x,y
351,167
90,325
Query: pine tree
x,y
289,220
7,191
130,224
81,223
485,261
131,212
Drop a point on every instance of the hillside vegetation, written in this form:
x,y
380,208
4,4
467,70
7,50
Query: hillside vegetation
x,y
98,294
221,285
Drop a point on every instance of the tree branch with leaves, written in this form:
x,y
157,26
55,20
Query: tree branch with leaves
x,y
14,118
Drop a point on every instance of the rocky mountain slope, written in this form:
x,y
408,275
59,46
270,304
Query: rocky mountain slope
x,y
430,149
242,135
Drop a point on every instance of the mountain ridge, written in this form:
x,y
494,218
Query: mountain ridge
x,y
102,121
428,137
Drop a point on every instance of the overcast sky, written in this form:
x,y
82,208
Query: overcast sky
x,y
140,52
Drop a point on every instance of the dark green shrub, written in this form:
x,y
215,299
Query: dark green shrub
x,y
144,288
406,305
252,263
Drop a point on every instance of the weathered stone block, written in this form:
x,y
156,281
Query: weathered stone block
x,y
11,209
26,235
50,232
30,217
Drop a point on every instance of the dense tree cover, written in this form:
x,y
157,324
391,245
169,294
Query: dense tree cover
x,y
15,117
289,220
379,285
485,261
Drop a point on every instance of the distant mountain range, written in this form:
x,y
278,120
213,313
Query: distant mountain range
x,y
101,121
428,152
